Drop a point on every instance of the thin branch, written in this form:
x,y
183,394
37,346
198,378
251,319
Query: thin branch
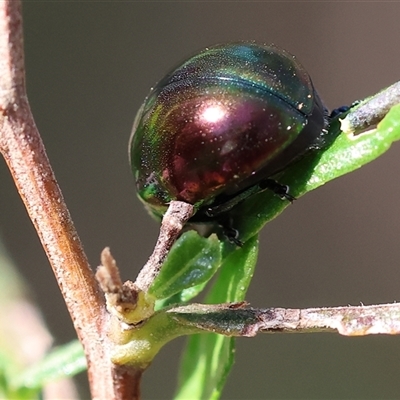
x,y
177,215
23,150
372,110
241,320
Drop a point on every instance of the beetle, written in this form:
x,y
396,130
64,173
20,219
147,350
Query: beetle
x,y
218,127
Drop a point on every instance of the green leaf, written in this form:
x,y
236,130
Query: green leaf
x,y
192,261
64,361
350,152
181,297
189,293
209,357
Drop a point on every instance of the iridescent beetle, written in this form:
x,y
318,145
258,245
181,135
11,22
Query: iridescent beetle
x,y
220,125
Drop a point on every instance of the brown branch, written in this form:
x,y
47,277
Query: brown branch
x,y
177,215
237,319
23,150
127,381
372,110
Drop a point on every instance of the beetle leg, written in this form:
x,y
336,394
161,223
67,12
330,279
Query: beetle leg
x,y
232,235
281,190
229,232
337,111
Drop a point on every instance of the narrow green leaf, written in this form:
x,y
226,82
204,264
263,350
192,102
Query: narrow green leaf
x,y
64,361
189,293
209,357
181,297
192,261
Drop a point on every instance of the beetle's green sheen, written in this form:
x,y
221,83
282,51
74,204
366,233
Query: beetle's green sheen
x,y
223,120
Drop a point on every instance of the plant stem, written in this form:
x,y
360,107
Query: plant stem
x,y
177,215
23,150
372,110
238,319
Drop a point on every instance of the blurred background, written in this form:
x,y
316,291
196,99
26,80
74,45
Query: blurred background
x,y
89,67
